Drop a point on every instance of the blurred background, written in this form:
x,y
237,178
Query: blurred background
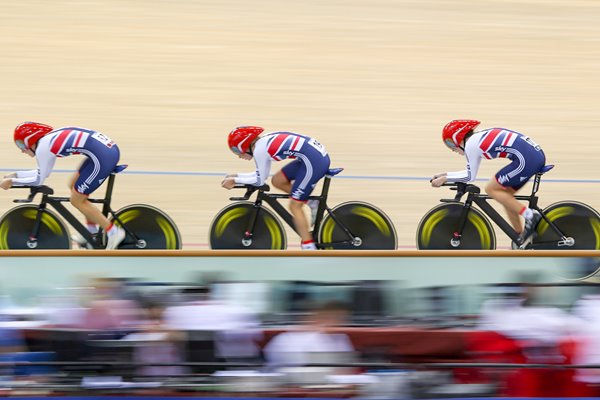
x,y
374,82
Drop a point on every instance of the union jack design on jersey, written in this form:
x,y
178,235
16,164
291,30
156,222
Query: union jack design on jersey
x,y
68,140
496,143
284,145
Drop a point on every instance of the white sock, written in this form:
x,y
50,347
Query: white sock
x,y
308,246
92,227
528,213
112,229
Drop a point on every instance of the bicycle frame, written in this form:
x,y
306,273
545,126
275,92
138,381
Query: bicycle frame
x,y
56,203
272,199
474,196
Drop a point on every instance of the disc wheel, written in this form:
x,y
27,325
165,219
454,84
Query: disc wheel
x,y
16,227
437,228
147,227
230,224
575,220
357,226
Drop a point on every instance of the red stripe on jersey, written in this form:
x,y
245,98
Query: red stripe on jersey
x,y
507,139
58,142
78,139
489,139
276,143
295,142
502,155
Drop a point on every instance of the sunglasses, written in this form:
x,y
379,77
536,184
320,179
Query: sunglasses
x,y
450,143
21,145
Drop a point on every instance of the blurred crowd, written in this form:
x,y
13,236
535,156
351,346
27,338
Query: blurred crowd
x,y
189,335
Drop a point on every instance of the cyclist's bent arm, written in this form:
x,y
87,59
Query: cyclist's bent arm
x,y
263,167
25,177
473,154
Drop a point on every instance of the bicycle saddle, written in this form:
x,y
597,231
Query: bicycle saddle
x,y
546,168
334,171
119,168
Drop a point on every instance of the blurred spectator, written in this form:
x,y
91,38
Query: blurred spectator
x,y
539,332
108,308
588,348
237,329
312,341
157,344
11,343
518,316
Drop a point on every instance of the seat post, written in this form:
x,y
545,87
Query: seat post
x,y
326,183
536,183
108,195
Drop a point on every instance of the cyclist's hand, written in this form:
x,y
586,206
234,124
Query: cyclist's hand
x,y
11,175
6,184
438,181
228,183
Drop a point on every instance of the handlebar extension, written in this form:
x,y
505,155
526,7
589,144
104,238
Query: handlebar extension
x,y
249,190
33,190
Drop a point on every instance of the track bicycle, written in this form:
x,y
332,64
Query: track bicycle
x,y
250,225
454,224
29,226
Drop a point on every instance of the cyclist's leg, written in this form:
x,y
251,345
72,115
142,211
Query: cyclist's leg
x,y
526,163
311,169
92,173
506,197
282,180
300,220
81,188
91,226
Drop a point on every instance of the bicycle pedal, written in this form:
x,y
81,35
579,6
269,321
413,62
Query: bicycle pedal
x,y
526,243
82,243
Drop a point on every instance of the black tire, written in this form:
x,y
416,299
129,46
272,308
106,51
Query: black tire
x,y
437,227
17,225
576,220
228,227
364,221
147,227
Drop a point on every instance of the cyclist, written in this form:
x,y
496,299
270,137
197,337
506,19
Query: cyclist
x,y
526,156
46,144
298,178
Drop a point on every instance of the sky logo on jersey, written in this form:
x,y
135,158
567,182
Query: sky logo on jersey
x,y
502,179
83,187
298,193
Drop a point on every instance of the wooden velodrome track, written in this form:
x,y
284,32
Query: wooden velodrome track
x,y
373,81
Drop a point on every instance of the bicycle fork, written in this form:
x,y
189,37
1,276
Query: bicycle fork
x,y
457,234
32,241
249,233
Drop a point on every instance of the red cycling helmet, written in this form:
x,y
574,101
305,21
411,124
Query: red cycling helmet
x,y
28,133
455,131
240,138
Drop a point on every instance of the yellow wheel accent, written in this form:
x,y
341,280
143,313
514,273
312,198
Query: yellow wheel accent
x,y
328,231
594,222
227,217
4,235
484,233
553,215
47,220
127,216
374,217
274,231
168,231
430,224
